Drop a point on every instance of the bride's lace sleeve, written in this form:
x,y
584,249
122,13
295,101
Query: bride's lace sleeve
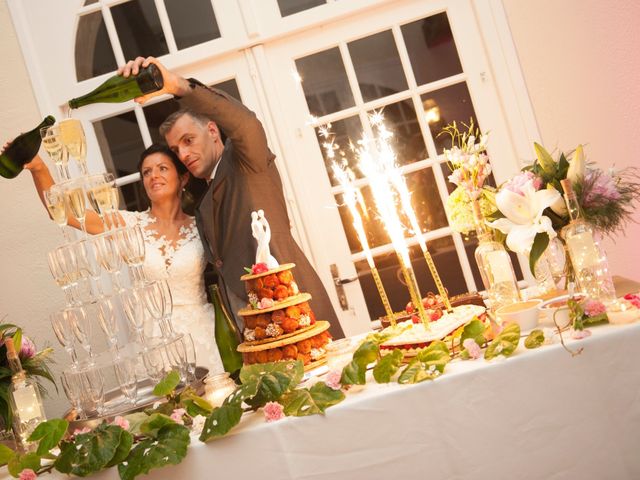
x,y
134,218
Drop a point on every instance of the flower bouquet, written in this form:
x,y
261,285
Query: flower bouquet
x,y
34,363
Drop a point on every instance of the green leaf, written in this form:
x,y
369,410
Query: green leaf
x,y
545,160
388,366
294,370
195,405
136,420
505,343
91,452
353,374
317,399
388,333
366,353
154,423
271,380
428,364
534,339
123,449
563,167
167,385
49,434
540,244
6,454
169,448
17,340
475,330
221,420
20,462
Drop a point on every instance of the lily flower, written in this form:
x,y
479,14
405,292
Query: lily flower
x,y
524,218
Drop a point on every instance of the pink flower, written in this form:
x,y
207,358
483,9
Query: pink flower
x,y
265,303
333,379
27,348
121,422
259,268
80,431
633,299
473,348
177,414
456,176
600,188
273,411
27,474
580,334
520,180
593,308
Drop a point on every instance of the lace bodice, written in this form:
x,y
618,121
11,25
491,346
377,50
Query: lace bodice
x,y
182,263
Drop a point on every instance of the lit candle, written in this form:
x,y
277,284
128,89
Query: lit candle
x,y
217,388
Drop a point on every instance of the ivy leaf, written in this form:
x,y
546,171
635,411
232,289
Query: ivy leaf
x,y
272,380
168,448
91,452
540,244
49,433
167,385
505,343
475,330
294,370
534,339
122,451
388,366
355,372
241,394
154,423
428,364
317,399
6,454
19,462
366,353
135,421
195,405
221,420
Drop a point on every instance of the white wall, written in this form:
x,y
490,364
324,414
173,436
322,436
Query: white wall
x,y
580,63
27,291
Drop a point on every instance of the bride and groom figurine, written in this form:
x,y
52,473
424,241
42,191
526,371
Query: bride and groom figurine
x,y
262,233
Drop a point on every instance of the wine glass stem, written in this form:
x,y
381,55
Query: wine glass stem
x,y
115,281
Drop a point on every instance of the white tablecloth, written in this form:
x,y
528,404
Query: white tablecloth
x,y
540,414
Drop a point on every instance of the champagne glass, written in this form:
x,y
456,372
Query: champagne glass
x,y
93,391
131,243
61,278
109,256
65,336
168,307
81,326
54,200
190,356
74,199
125,370
86,255
74,139
108,322
153,298
134,311
72,386
154,363
114,202
177,355
55,148
98,194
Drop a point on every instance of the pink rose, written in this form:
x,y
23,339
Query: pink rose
x,y
265,303
27,474
121,422
333,379
520,180
580,334
177,414
259,268
472,347
593,308
273,411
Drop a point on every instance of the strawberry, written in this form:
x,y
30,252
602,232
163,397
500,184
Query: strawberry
x,y
410,308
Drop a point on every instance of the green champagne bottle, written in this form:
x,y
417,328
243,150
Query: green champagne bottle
x,y
120,89
22,150
227,335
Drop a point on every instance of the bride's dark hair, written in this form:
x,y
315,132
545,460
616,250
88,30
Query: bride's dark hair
x,y
160,148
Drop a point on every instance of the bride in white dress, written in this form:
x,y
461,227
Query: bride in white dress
x,y
173,250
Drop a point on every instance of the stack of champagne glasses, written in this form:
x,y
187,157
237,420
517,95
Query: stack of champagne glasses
x,y
98,298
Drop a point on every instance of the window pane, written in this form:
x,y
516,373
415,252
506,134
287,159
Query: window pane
x,y
377,65
432,49
445,258
289,7
426,205
192,21
324,81
93,52
452,103
230,87
121,144
342,132
139,29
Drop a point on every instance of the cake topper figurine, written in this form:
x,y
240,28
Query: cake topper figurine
x,y
262,233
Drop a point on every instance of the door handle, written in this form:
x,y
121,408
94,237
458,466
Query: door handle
x,y
338,283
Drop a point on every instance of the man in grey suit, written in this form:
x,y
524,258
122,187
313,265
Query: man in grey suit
x,y
242,178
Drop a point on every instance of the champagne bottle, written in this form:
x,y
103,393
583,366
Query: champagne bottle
x,y
22,150
120,89
495,265
227,335
587,256
25,401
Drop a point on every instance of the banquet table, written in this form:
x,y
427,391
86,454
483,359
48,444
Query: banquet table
x,y
539,414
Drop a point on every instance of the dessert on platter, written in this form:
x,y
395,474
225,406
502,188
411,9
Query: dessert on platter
x,y
417,337
279,323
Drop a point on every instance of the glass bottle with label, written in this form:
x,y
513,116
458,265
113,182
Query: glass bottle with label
x,y
25,401
494,264
587,257
226,334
